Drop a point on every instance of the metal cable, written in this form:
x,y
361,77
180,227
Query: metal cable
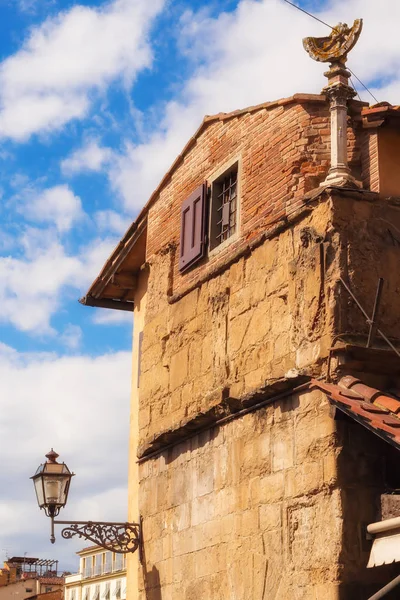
x,y
333,29
309,14
354,88
359,80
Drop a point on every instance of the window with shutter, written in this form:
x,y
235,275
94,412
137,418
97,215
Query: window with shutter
x,y
192,246
224,206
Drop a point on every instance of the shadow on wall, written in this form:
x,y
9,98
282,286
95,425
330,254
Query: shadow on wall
x,y
151,579
362,467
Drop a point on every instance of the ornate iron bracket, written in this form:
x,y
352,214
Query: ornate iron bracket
x,y
121,538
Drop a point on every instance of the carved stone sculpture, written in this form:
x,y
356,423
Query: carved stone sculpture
x,y
335,47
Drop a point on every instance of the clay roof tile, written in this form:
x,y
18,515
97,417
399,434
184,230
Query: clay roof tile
x,y
377,410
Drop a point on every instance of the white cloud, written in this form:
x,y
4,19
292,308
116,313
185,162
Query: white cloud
x,y
109,221
249,56
72,336
51,79
237,54
30,6
112,317
91,157
57,205
80,406
32,286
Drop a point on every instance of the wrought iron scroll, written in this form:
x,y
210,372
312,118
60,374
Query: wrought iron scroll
x,y
122,538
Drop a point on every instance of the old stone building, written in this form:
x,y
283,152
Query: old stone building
x,y
262,428
23,577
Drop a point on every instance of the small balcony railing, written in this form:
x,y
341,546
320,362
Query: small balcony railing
x,y
119,564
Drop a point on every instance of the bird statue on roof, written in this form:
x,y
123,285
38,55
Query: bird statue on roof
x,y
337,45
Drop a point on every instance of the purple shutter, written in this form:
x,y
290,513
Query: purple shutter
x,y
192,228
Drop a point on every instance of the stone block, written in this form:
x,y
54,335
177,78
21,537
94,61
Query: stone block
x,y
203,477
221,467
330,467
272,487
304,479
179,368
180,487
270,516
282,448
183,311
203,509
259,325
254,379
237,331
307,354
236,276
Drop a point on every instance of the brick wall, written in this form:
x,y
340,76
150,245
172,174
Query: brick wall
x,y
284,152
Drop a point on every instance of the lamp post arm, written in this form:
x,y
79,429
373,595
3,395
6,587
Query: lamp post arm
x,y
121,538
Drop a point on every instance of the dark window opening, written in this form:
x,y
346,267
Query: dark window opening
x,y
224,207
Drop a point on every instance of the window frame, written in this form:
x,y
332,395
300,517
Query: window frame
x,y
222,172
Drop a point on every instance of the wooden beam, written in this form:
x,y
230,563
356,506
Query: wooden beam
x,y
125,281
108,303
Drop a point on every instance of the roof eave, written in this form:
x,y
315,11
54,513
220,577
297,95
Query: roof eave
x,y
107,303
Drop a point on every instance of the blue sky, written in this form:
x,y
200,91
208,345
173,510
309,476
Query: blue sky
x,y
96,100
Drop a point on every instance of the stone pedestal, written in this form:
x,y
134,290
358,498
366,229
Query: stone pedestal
x,y
339,93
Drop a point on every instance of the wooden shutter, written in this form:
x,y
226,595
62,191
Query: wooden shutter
x,y
193,228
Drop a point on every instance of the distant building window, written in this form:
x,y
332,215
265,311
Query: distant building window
x,y
47,589
106,593
28,589
117,590
224,206
96,592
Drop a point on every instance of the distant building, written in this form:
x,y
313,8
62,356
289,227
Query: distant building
x,y
102,576
27,577
55,595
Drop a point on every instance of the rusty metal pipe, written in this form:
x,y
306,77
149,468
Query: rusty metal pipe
x,y
385,590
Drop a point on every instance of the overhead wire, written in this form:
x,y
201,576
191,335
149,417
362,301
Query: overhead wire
x,y
364,86
333,29
309,14
355,89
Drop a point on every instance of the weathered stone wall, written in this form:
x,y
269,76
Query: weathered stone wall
x,y
261,507
268,316
250,510
370,249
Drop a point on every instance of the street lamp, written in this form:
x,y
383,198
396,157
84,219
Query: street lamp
x,y
52,480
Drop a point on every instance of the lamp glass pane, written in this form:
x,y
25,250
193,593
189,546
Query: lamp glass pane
x,y
54,487
39,491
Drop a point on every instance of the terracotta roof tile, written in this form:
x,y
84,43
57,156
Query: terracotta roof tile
x,y
376,410
52,580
